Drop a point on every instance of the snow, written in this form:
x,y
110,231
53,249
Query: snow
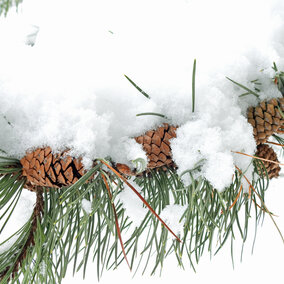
x,y
129,151
87,206
20,216
172,215
42,268
213,144
132,204
62,83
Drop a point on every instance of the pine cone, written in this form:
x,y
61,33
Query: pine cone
x,y
266,119
266,152
156,144
43,168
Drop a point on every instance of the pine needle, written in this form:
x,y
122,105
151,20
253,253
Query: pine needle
x,y
237,197
193,85
258,158
244,87
137,87
277,144
151,113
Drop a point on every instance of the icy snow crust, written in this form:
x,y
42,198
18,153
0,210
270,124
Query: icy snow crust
x,y
68,90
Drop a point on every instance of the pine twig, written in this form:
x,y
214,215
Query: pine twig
x,y
258,158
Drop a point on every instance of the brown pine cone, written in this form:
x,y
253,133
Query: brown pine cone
x,y
43,168
266,152
266,119
156,144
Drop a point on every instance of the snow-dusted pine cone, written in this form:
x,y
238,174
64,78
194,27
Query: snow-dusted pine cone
x,y
43,168
156,143
266,152
266,119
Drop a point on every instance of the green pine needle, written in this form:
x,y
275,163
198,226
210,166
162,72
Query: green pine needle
x,y
193,85
151,113
137,87
249,91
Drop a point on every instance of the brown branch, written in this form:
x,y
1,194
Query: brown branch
x,y
37,214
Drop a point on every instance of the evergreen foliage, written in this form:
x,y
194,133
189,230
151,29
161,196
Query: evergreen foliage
x,y
60,232
5,5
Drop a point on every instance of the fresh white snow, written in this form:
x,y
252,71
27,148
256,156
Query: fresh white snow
x,y
172,215
87,206
132,204
68,89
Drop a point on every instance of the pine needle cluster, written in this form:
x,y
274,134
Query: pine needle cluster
x,y
60,233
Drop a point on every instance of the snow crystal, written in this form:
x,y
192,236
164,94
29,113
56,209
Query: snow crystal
x,y
87,206
172,214
132,204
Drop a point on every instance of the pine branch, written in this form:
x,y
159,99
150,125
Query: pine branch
x,y
67,234
70,236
